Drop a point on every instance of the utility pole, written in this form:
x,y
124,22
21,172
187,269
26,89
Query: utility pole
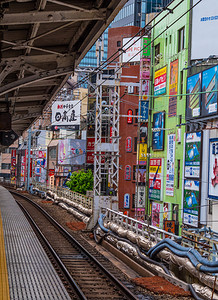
x,y
106,111
29,155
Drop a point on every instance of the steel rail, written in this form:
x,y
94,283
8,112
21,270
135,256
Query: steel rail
x,y
70,238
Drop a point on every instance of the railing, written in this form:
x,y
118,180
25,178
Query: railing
x,y
205,242
138,227
83,200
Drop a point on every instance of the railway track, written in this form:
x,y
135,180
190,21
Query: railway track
x,y
85,276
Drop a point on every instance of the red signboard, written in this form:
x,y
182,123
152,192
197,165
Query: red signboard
x,y
129,118
129,144
127,172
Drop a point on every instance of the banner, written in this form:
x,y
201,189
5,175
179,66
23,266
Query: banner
x,y
173,88
13,166
158,135
142,155
191,203
192,154
66,113
155,214
213,169
210,86
193,101
160,81
71,152
133,52
156,178
171,143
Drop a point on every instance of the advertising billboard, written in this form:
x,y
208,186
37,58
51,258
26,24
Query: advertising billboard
x,y
71,152
191,202
145,65
142,154
209,89
160,81
192,154
141,196
155,214
158,135
66,113
173,87
143,110
213,169
156,178
194,99
171,145
146,46
204,29
133,52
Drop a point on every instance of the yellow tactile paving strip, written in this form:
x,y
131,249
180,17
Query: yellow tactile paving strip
x,y
4,286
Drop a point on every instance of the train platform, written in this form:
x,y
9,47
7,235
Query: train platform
x,y
25,270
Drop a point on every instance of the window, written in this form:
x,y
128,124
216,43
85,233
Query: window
x,y
181,39
170,39
210,207
134,172
6,166
166,41
178,173
135,143
181,84
118,43
133,200
136,113
157,53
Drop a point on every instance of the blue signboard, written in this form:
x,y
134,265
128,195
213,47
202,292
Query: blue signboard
x,y
209,89
126,200
143,110
193,96
158,135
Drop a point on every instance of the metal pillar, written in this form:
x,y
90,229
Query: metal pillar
x,y
109,111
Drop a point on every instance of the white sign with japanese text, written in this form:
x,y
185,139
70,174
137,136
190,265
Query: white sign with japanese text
x,y
66,113
171,143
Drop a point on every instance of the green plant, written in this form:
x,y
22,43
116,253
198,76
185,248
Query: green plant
x,y
81,181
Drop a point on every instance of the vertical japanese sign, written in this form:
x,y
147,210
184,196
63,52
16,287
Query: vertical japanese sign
x,y
158,135
141,196
146,46
13,166
192,154
155,215
171,143
213,169
191,202
173,88
160,81
142,154
126,201
155,179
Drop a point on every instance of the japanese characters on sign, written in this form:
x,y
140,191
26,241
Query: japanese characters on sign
x,y
155,214
66,113
132,49
173,88
141,196
128,172
156,178
171,143
191,202
213,169
13,166
126,201
192,154
160,81
129,144
129,118
142,154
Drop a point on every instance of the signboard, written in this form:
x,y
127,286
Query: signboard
x,y
129,118
142,155
191,202
156,179
145,84
141,175
171,143
128,172
160,81
126,201
66,113
170,226
209,89
71,152
158,135
146,46
155,214
129,144
141,196
145,68
143,110
192,154
173,88
193,101
143,133
133,52
204,29
13,166
213,169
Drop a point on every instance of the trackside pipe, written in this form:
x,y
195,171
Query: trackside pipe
x,y
101,223
194,252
